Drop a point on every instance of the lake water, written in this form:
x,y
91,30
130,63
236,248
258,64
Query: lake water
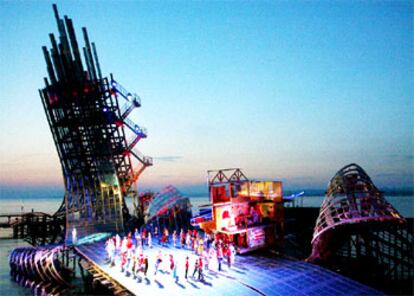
x,y
403,203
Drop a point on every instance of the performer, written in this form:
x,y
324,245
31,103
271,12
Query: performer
x,y
186,266
196,267
167,235
74,236
163,238
156,233
124,248
171,262
182,238
149,240
188,240
136,236
175,272
200,269
138,239
134,266
219,256
123,261
232,253
118,243
145,265
200,247
139,250
173,266
107,249
113,252
129,245
141,262
158,262
110,249
144,236
206,259
174,237
195,245
228,255
128,263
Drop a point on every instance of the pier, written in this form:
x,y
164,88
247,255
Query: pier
x,y
37,228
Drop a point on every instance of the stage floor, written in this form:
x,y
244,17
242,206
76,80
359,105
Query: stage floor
x,y
251,275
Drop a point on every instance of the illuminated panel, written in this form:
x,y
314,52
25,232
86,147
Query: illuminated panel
x,y
262,190
256,237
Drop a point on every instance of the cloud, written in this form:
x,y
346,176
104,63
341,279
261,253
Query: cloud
x,y
167,158
394,175
401,157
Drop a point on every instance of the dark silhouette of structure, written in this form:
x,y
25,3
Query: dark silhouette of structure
x,y
36,228
90,129
360,234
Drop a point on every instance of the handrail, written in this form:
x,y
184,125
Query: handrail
x,y
24,214
124,93
140,131
145,160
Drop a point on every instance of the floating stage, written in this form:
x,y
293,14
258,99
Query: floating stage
x,y
89,118
256,274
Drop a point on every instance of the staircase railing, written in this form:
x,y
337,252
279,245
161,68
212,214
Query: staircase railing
x,y
124,93
145,160
139,131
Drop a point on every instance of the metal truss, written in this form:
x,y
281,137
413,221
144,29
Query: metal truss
x,y
226,176
89,125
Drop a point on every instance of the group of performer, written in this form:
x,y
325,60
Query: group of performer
x,y
129,252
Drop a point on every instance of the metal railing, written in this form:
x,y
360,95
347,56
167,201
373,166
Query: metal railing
x,y
130,97
139,131
145,160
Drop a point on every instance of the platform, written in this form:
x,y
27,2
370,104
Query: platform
x,y
258,274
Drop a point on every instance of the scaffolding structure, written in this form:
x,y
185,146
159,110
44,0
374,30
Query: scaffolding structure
x,y
248,213
361,234
100,164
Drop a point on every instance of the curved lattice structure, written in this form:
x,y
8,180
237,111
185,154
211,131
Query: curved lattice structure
x,y
360,233
40,270
352,197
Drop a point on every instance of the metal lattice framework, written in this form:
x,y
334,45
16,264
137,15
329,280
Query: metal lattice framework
x,y
100,164
40,269
352,197
357,224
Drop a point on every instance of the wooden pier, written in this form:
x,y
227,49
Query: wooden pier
x,y
37,228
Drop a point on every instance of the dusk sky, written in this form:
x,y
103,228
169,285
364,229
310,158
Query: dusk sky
x,y
290,91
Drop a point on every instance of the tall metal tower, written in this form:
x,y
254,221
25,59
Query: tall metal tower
x,y
90,129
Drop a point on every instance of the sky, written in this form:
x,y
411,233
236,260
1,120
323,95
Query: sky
x,y
289,91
